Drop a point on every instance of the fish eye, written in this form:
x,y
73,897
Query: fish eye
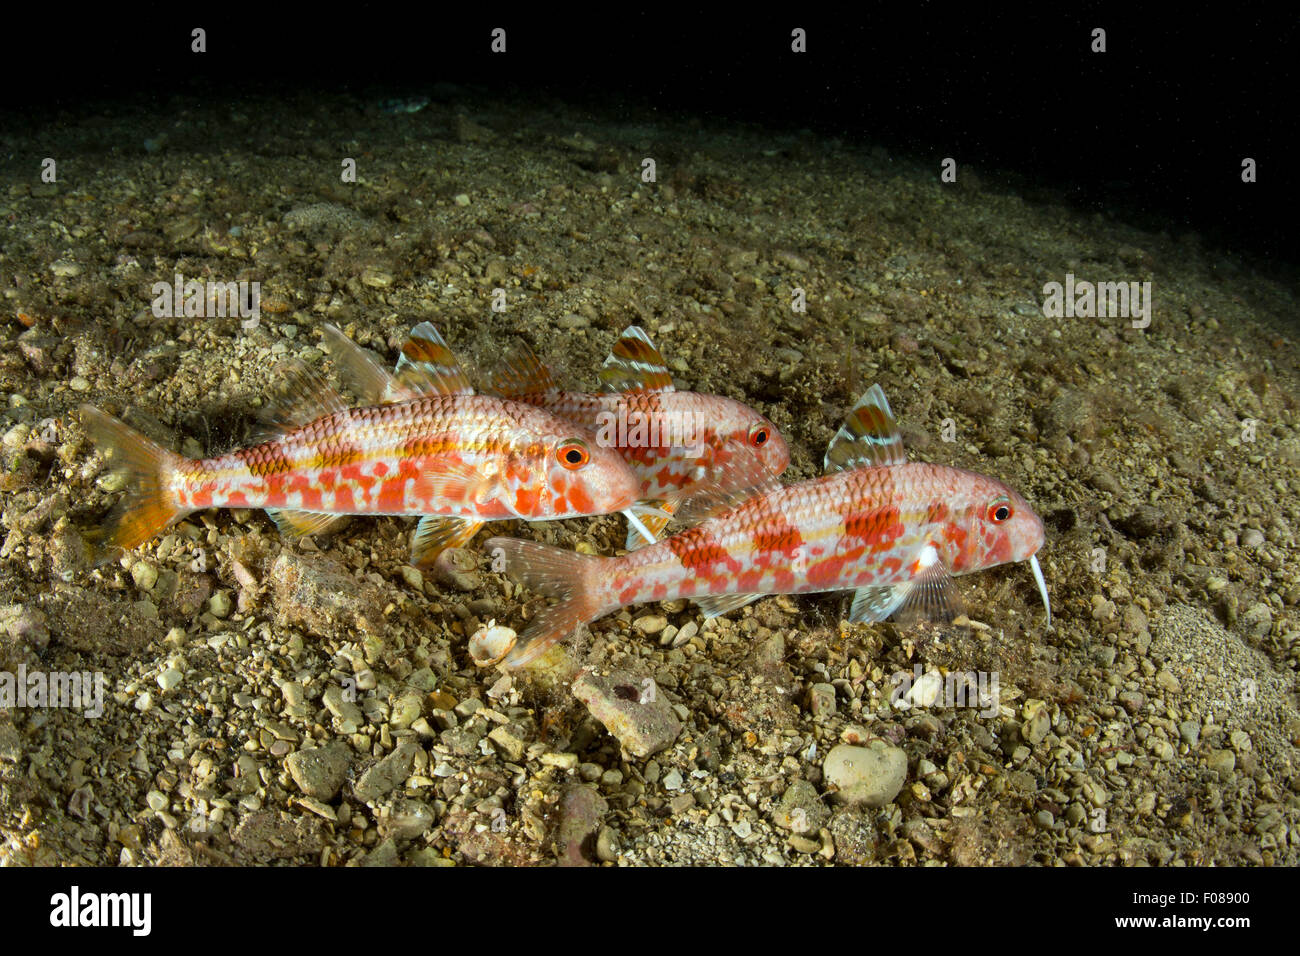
x,y
758,435
1000,510
573,453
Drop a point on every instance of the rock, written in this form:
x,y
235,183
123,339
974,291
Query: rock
x,y
582,809
145,575
1037,722
801,809
318,594
409,819
458,567
323,217
320,771
1223,762
1258,620
632,708
821,700
347,712
25,626
377,782
607,847
385,855
871,775
650,624
269,835
855,837
509,742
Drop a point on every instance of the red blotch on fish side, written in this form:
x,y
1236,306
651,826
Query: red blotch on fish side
x,y
392,496
696,549
937,512
878,528
777,534
526,500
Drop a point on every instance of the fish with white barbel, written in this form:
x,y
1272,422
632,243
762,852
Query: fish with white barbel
x,y
427,446
892,531
675,440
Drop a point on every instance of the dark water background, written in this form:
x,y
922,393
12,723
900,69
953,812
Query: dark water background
x,y
1152,132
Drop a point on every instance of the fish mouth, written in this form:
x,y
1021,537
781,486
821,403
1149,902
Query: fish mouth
x,y
1042,586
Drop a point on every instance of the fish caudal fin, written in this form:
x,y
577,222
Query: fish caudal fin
x,y
148,506
554,572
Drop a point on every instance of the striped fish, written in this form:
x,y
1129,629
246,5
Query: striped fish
x,y
455,458
892,531
674,440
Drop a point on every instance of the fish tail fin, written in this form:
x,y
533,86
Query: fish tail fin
x,y
554,572
148,505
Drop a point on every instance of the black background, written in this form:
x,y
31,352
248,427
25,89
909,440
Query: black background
x,y
1153,131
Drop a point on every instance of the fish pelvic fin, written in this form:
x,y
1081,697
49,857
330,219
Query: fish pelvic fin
x,y
148,505
554,572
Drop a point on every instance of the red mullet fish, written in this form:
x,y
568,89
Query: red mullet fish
x,y
455,458
674,440
892,531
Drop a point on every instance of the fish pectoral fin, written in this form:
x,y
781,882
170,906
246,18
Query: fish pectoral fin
x,y
635,365
873,604
428,366
655,515
932,594
869,436
435,534
459,483
298,524
716,604
743,477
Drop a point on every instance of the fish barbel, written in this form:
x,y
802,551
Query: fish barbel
x,y
674,440
894,532
455,458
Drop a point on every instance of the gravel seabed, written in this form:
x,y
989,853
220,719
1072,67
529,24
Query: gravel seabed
x,y
315,703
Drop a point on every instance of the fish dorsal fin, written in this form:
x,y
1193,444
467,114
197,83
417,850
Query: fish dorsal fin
x,y
522,374
368,380
635,365
428,366
869,436
743,477
303,396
